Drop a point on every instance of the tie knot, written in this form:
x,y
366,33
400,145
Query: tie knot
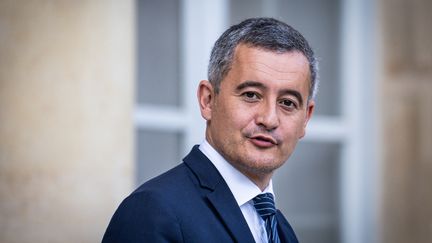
x,y
264,204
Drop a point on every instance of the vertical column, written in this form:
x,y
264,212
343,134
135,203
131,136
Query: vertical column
x,y
406,81
203,22
66,82
358,107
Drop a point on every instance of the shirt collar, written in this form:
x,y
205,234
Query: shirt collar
x,y
240,185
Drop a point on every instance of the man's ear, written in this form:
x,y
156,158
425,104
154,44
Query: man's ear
x,y
206,97
309,111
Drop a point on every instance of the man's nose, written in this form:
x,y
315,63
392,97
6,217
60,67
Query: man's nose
x,y
268,116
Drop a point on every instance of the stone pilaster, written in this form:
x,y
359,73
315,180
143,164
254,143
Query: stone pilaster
x,y
66,132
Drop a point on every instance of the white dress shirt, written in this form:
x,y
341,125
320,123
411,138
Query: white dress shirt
x,y
243,189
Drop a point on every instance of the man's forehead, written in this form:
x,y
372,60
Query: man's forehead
x,y
251,61
281,64
255,54
250,46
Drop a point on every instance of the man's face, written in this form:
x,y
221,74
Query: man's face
x,y
261,110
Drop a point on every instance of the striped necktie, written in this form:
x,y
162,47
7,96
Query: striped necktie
x,y
265,206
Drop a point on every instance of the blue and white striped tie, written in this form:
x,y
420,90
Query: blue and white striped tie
x,y
265,206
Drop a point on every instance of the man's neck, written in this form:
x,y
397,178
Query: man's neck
x,y
261,180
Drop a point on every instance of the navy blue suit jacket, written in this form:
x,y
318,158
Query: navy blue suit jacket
x,y
189,203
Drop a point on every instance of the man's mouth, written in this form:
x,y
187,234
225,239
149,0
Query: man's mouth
x,y
263,141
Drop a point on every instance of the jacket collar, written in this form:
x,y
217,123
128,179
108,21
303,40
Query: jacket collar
x,y
219,195
286,233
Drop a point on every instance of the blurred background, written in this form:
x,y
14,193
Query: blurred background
x,y
98,96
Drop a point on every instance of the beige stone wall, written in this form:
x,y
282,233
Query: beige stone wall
x,y
66,100
406,120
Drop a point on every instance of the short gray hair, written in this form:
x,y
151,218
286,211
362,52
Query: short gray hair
x,y
266,33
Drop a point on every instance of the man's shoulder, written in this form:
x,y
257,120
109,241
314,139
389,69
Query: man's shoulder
x,y
196,171
138,217
189,182
166,184
159,194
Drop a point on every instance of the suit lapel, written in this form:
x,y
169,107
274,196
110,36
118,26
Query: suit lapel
x,y
226,206
219,195
286,233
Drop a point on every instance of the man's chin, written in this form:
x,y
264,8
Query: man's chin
x,y
263,165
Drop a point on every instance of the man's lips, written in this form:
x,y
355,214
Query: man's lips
x,y
263,140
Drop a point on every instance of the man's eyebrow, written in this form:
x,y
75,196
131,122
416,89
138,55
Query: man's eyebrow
x,y
249,83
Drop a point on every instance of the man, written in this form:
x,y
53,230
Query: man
x,y
257,102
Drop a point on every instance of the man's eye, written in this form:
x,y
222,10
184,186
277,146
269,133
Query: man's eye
x,y
250,95
288,103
